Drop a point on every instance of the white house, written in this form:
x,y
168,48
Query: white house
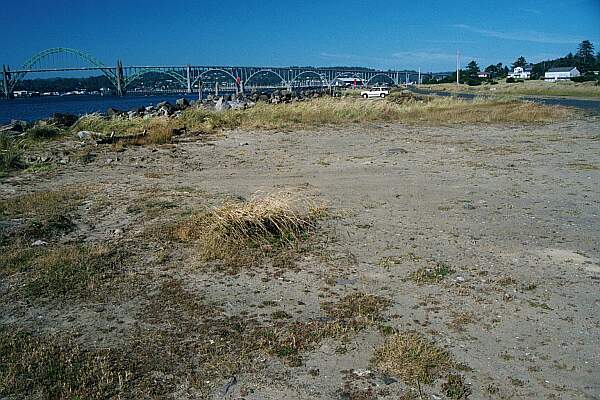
x,y
483,74
520,73
562,73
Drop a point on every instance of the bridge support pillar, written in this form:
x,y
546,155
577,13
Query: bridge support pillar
x,y
119,77
7,91
188,75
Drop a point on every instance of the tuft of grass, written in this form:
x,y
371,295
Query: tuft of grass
x,y
460,320
11,154
431,274
360,307
265,224
412,358
583,166
43,131
455,387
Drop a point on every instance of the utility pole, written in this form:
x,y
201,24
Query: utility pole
x,y
119,77
5,81
457,66
189,78
419,81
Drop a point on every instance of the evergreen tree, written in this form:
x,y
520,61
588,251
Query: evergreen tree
x,y
472,69
519,62
585,56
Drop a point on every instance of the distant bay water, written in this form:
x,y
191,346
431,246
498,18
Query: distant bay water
x,y
31,109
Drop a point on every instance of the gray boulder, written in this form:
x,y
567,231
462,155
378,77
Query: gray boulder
x,y
182,103
222,105
113,112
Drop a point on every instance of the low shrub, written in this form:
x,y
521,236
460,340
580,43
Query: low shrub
x,y
43,131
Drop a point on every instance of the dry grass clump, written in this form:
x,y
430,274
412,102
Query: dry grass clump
x,y
265,224
412,358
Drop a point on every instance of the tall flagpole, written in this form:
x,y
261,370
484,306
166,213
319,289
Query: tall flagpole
x,y
457,66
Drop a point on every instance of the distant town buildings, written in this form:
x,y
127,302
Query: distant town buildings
x,y
562,73
347,82
520,73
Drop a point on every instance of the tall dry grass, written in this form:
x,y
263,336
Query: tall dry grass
x,y
527,88
159,129
335,111
329,111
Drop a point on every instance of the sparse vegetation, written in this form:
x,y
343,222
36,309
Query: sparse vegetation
x,y
358,307
412,358
433,274
43,203
55,368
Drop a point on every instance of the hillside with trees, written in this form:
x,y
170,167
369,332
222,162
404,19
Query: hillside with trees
x,y
585,59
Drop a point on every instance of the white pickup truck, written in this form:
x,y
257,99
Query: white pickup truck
x,y
375,92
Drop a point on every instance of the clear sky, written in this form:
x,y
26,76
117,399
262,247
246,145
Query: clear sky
x,y
381,34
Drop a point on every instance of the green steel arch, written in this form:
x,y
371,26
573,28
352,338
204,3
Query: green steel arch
x,y
307,73
37,58
173,74
199,77
270,71
381,74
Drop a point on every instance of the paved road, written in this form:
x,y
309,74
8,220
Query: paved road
x,y
584,104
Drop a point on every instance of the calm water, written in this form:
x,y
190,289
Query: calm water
x,y
31,109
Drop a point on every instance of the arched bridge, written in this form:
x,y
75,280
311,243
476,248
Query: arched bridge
x,y
193,77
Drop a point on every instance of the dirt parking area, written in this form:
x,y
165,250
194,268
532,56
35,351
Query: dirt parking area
x,y
474,250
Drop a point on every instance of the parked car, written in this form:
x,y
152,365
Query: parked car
x,y
375,92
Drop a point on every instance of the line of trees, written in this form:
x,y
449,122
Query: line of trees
x,y
586,61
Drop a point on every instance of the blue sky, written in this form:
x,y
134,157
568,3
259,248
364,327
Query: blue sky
x,y
381,34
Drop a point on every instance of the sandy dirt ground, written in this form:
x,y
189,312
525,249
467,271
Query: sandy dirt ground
x,y
513,211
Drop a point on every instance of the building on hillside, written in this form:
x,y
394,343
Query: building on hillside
x,y
483,74
562,73
520,73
